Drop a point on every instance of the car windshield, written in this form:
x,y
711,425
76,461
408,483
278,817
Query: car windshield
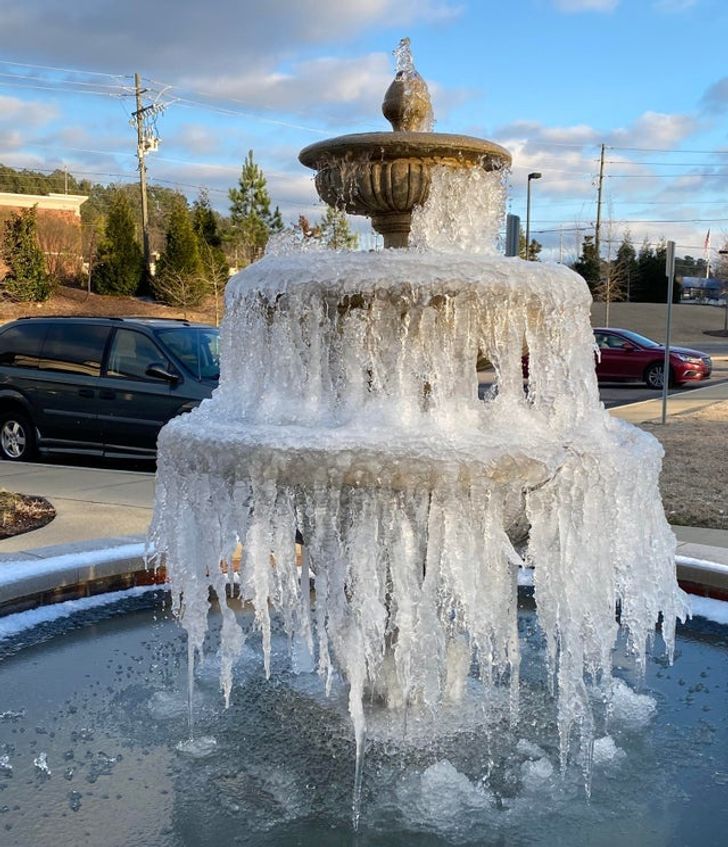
x,y
198,348
636,338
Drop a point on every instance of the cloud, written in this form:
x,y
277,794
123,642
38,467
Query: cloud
x,y
586,5
651,129
197,139
716,96
176,37
654,130
672,7
29,112
338,89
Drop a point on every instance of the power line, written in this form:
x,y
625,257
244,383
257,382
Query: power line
x,y
64,70
665,176
723,152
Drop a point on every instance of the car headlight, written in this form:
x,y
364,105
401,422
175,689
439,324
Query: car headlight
x,y
685,357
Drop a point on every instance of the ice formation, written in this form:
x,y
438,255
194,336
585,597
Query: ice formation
x,y
348,411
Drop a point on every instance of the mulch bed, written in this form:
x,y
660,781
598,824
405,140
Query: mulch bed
x,y
21,513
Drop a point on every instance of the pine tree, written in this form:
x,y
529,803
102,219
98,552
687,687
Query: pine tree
x,y
335,232
652,280
119,264
181,253
26,278
204,220
179,279
250,211
588,263
624,267
215,269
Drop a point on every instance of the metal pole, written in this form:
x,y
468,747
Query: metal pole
x,y
534,175
670,273
597,226
528,215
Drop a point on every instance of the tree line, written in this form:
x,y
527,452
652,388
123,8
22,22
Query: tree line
x,y
196,245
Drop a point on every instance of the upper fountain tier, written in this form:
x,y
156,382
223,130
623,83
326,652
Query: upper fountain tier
x,y
385,175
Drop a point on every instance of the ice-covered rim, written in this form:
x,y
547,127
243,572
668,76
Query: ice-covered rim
x,y
430,147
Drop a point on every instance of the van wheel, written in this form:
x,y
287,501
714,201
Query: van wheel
x,y
17,437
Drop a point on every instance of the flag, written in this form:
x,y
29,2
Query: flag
x,y
706,246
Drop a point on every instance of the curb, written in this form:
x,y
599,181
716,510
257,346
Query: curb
x,y
69,571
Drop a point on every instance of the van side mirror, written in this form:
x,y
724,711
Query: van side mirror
x,y
158,371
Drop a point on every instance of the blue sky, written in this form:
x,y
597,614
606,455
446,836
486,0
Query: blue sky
x,y
549,79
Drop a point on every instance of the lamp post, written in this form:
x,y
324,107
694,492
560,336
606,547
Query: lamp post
x,y
725,297
534,175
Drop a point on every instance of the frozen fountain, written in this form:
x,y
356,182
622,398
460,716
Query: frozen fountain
x,y
348,412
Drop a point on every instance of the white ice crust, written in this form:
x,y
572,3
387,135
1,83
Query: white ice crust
x,y
348,410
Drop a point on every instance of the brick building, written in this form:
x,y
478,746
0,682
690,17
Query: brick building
x,y
59,228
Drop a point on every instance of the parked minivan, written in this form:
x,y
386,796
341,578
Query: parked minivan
x,y
99,386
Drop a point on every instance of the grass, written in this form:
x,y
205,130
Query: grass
x,y
694,480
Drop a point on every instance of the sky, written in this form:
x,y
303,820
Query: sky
x,y
551,80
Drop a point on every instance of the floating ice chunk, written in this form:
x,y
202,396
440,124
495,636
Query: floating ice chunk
x,y
41,763
441,798
5,765
197,748
535,773
629,708
11,715
605,750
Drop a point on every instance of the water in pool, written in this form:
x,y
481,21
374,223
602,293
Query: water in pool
x,y
94,749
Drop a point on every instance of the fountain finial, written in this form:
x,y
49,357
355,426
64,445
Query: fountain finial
x,y
407,105
385,175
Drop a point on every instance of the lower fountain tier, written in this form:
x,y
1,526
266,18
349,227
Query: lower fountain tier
x,y
357,455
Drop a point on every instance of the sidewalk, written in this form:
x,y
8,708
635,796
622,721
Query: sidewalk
x,y
90,503
677,404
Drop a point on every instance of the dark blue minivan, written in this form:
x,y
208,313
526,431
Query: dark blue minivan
x,y
100,386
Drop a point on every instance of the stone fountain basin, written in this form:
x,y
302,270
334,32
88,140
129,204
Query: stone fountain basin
x,y
359,454
432,147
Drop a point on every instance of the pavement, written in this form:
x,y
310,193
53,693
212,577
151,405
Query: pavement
x,y
95,504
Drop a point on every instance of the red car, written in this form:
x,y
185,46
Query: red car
x,y
625,355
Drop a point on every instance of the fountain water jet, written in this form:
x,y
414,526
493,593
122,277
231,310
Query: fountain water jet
x,y
348,411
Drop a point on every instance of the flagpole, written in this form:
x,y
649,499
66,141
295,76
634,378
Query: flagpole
x,y
707,255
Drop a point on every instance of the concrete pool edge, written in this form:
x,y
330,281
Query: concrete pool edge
x,y
67,571
62,572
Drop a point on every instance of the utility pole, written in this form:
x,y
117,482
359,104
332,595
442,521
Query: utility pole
x,y
598,224
138,118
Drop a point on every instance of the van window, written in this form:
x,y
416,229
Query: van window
x,y
74,348
132,353
198,349
20,345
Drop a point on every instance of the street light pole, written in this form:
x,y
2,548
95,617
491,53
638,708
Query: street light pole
x,y
534,175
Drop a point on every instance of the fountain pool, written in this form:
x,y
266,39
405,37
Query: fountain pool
x,y
348,412
101,694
